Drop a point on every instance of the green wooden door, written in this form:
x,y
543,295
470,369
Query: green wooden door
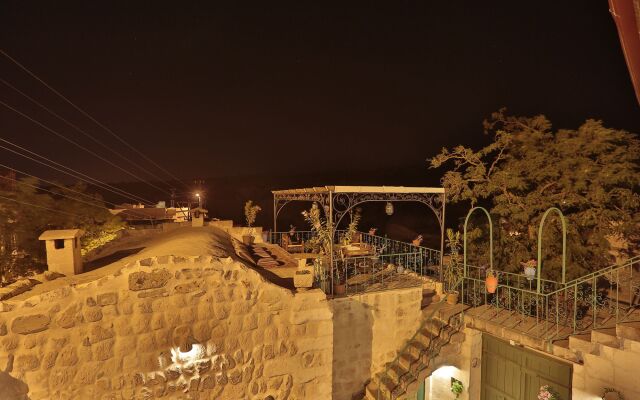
x,y
513,373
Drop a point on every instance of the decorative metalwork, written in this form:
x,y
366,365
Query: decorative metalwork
x,y
564,243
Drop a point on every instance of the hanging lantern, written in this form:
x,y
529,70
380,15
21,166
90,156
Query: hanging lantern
x,y
491,282
388,208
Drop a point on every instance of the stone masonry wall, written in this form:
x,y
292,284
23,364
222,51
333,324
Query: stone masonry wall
x,y
368,331
171,327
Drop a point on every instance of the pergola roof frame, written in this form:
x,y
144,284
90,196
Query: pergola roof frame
x,y
337,201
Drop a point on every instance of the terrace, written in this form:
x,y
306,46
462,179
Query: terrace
x,y
360,261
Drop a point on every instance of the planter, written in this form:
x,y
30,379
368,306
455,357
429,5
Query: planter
x,y
303,278
248,239
491,283
452,297
339,289
530,272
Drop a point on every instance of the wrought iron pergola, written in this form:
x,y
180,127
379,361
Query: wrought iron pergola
x,y
338,201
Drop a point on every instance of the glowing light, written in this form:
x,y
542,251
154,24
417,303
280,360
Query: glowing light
x,y
178,357
197,194
446,371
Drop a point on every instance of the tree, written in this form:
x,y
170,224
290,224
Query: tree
x,y
590,173
26,211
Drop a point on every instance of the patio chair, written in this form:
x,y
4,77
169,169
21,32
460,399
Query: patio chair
x,y
292,247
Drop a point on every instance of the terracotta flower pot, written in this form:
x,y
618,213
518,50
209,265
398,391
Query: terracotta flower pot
x,y
452,298
339,289
491,283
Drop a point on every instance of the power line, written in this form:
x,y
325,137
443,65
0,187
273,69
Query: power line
x,y
54,193
86,178
25,69
80,146
37,206
52,183
63,195
81,131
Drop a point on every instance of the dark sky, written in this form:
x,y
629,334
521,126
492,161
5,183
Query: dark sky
x,y
271,88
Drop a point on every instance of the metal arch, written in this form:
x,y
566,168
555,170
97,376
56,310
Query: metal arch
x,y
279,202
280,205
564,244
352,201
464,252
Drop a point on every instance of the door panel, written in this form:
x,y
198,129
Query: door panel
x,y
514,373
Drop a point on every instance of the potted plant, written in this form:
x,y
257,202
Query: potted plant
x,y
529,269
453,271
491,282
303,278
250,213
611,394
456,387
547,393
339,283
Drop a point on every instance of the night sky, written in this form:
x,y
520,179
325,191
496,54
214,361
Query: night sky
x,y
272,89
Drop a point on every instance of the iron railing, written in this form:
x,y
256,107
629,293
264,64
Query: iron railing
x,y
354,274
597,300
548,309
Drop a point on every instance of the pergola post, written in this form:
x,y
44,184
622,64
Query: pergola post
x,y
333,230
442,232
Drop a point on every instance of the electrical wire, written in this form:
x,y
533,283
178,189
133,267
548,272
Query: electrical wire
x,y
80,146
37,206
33,75
77,175
78,129
133,212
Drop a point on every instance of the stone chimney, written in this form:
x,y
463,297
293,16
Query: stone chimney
x,y
63,250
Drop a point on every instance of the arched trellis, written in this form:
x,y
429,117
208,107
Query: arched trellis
x,y
338,201
564,245
466,220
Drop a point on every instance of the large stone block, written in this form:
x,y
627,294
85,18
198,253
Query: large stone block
x,y
106,299
148,280
27,324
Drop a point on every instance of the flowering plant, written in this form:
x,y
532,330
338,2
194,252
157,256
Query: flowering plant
x,y
530,264
456,387
547,393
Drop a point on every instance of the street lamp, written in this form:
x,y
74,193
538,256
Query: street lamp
x,y
199,200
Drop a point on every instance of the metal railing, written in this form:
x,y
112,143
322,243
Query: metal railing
x,y
596,300
427,353
354,274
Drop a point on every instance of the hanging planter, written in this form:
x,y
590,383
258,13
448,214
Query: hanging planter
x,y
529,269
491,282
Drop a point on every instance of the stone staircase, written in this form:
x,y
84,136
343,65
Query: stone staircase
x,y
607,357
624,336
438,338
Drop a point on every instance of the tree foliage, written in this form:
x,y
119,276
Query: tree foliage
x,y
590,173
26,211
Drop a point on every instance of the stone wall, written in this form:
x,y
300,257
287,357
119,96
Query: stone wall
x,y
368,331
171,327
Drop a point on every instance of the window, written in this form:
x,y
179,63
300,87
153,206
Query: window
x,y
58,243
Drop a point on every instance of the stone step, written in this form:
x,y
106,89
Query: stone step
x,y
581,344
407,361
606,337
428,296
629,330
561,349
395,372
418,347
